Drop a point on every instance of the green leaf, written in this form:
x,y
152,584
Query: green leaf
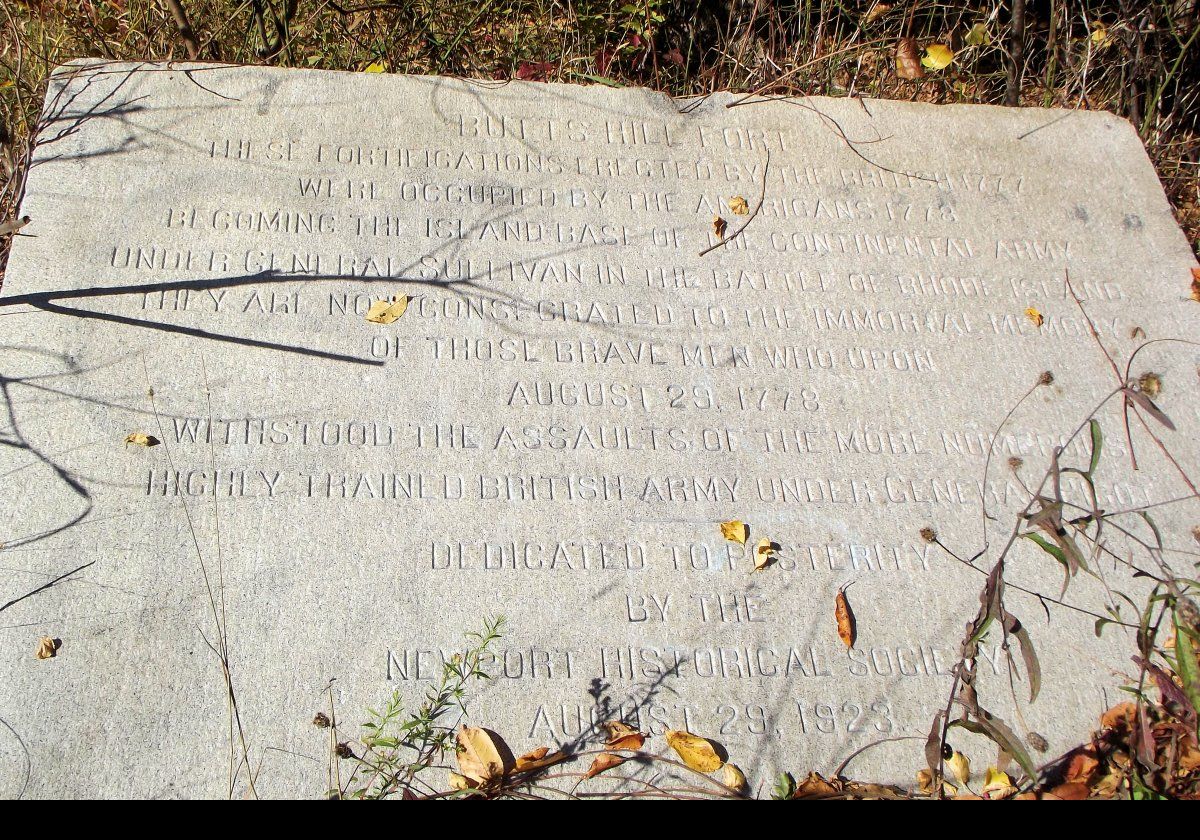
x,y
1185,663
1097,445
1055,552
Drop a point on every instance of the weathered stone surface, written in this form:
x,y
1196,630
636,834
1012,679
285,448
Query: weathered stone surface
x,y
573,401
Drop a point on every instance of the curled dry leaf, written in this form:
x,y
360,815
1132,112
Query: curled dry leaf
x,y
1196,284
141,439
908,62
818,786
47,648
733,777
738,206
1035,317
1071,791
482,756
531,757
719,226
764,553
459,781
604,761
876,11
623,737
977,35
847,627
697,753
387,311
735,530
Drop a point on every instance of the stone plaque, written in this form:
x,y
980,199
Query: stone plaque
x,y
587,381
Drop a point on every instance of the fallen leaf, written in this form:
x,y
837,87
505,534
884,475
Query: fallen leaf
x,y
1071,791
482,756
1150,384
623,737
387,311
875,12
375,67
937,57
47,648
719,227
960,767
531,757
908,63
1100,36
925,783
816,785
604,761
141,439
534,71
1119,716
847,627
977,35
733,777
697,753
763,554
459,781
997,785
738,206
1036,317
1196,284
1082,765
735,530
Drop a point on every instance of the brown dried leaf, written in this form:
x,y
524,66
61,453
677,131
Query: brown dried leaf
x,y
1119,716
1071,791
735,530
719,226
604,761
621,736
816,785
47,648
876,11
1150,385
1196,284
531,757
697,753
847,627
908,59
387,311
459,781
738,206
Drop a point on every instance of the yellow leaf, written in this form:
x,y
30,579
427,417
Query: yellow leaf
x,y
847,627
763,554
719,226
937,57
141,439
735,530
1036,317
977,35
1100,36
387,311
604,761
908,65
375,67
482,756
960,767
459,781
739,206
697,753
997,785
733,777
47,648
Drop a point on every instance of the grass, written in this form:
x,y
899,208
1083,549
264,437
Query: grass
x,y
1135,58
